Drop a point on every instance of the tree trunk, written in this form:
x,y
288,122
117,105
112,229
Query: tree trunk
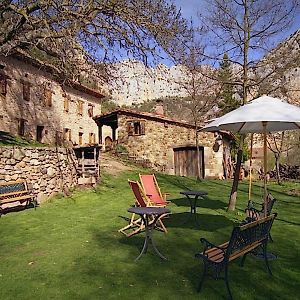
x,y
233,194
198,156
277,157
246,33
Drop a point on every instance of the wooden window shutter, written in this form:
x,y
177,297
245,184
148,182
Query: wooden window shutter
x,y
91,110
92,138
66,104
48,97
26,90
130,128
142,123
3,85
80,107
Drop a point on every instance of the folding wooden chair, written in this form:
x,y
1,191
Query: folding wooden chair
x,y
152,190
136,225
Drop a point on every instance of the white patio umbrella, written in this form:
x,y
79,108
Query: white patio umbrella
x,y
262,115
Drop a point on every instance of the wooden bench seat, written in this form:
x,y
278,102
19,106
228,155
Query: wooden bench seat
x,y
244,240
14,191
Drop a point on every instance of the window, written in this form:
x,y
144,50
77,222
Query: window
x,y
92,138
48,97
21,127
66,104
80,138
80,107
58,138
67,134
3,85
39,133
26,90
136,128
91,110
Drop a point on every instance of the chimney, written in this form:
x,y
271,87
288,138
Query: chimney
x,y
159,107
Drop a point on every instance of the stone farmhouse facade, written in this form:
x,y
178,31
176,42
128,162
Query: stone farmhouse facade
x,y
168,145
35,106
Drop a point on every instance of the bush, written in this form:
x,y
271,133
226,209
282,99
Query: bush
x,y
121,149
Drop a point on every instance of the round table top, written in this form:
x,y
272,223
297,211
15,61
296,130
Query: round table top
x,y
194,193
149,210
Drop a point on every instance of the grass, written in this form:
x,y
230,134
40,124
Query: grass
x,y
70,248
6,139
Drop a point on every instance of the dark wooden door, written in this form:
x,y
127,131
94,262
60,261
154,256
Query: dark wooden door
x,y
185,161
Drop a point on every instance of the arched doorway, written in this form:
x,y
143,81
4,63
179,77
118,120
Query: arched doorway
x,y
108,143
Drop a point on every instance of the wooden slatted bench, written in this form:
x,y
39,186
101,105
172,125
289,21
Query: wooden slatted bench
x,y
244,239
14,191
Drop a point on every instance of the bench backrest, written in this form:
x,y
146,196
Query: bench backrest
x,y
12,187
256,232
270,202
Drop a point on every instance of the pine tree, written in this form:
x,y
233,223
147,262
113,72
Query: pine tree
x,y
228,101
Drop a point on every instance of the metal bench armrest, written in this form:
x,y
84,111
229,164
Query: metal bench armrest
x,y
208,245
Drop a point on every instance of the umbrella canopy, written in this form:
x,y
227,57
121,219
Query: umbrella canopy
x,y
264,114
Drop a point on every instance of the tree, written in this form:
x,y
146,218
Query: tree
x,y
246,30
279,144
71,34
201,90
228,102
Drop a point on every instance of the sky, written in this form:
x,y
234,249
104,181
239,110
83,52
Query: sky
x,y
190,9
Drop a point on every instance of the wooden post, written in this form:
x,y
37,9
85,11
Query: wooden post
x,y
250,169
82,162
265,166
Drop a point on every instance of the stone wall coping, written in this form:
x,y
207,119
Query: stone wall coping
x,y
32,148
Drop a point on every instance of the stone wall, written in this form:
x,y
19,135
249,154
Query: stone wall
x,y
47,171
159,140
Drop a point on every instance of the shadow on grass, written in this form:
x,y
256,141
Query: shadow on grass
x,y
288,222
205,202
16,208
205,222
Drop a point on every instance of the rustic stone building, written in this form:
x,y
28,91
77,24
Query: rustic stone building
x,y
34,105
167,144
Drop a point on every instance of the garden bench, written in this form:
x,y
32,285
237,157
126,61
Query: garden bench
x,y
14,191
244,239
254,214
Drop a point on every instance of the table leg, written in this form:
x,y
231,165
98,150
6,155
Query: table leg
x,y
193,205
149,226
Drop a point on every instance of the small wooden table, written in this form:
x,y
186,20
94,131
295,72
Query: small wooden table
x,y
150,216
193,197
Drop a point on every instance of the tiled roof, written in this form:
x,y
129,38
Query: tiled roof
x,y
24,56
153,116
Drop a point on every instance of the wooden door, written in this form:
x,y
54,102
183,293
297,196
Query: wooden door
x,y
185,161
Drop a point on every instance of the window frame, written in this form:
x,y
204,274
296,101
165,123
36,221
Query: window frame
x,y
48,97
136,127
80,107
26,87
3,85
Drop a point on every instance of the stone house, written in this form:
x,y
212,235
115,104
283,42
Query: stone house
x,y
167,145
35,105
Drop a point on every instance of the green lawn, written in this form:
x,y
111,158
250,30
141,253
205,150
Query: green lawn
x,y
70,248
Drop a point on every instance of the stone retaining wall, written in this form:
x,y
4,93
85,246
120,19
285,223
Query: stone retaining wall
x,y
47,171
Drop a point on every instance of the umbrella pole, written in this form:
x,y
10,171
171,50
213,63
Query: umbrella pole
x,y
250,169
265,167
